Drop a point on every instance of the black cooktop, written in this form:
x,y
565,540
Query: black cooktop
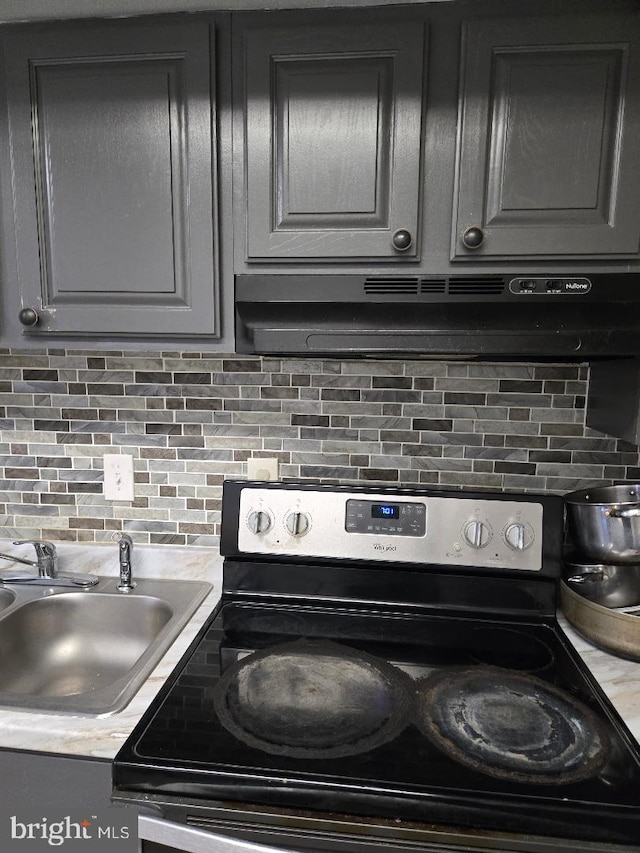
x,y
473,719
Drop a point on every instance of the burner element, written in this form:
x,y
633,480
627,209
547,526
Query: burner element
x,y
503,647
511,726
313,699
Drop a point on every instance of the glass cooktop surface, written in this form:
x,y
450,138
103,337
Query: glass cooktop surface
x,y
372,710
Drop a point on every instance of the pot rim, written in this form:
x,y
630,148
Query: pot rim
x,y
594,567
608,496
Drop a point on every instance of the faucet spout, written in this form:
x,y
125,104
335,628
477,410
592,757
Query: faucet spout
x,y
125,547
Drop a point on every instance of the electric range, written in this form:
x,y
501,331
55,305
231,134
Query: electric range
x,y
385,671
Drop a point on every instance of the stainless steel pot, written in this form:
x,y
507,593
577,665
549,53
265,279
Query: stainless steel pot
x,y
604,523
608,585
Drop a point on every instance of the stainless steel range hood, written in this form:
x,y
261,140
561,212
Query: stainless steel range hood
x,y
506,316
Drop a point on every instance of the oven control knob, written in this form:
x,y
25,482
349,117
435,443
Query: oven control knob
x,y
259,521
518,536
297,523
477,534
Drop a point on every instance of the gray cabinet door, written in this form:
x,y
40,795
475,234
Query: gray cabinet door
x,y
332,141
548,156
112,158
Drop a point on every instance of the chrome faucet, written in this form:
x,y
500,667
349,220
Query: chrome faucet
x,y
125,547
46,563
46,557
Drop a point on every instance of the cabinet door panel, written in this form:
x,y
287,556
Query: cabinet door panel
x,y
316,126
332,140
111,145
547,159
104,159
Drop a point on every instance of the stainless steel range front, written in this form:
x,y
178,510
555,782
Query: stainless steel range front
x,y
384,672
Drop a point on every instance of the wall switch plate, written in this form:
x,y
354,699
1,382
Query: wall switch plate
x,y
118,477
262,469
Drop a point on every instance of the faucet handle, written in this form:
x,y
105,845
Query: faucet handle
x,y
46,555
43,547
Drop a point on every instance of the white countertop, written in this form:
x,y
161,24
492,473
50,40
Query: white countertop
x,y
101,737
618,678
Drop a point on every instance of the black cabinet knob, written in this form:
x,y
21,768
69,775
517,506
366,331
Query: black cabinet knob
x,y
29,317
473,237
401,240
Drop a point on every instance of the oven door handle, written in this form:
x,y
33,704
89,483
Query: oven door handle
x,y
188,839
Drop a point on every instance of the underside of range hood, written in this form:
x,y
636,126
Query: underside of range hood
x,y
509,316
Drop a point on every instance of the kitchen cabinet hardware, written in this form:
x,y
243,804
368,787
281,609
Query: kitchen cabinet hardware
x,y
29,317
473,237
402,240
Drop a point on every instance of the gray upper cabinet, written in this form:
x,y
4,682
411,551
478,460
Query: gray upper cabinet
x,y
111,132
548,154
332,141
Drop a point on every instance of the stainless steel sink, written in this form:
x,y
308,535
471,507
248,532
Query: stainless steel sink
x,y
88,652
6,599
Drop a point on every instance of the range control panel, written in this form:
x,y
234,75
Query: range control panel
x,y
439,530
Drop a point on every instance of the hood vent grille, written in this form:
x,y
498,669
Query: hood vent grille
x,y
433,285
489,285
483,285
408,284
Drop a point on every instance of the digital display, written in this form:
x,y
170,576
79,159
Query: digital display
x,y
385,511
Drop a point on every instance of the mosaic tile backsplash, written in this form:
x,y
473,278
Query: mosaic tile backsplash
x,y
192,419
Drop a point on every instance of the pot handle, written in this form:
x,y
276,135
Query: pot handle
x,y
632,512
589,576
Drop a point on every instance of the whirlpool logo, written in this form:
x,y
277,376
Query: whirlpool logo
x,y
72,833
385,549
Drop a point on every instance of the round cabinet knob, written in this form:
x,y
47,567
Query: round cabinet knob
x,y
473,237
402,240
259,521
518,536
476,534
28,317
297,523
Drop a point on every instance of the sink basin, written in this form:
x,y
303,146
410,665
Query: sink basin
x,y
73,643
88,652
6,599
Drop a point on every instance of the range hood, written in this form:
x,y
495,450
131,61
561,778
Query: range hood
x,y
507,316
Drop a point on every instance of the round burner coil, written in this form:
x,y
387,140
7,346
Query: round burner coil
x,y
511,726
313,699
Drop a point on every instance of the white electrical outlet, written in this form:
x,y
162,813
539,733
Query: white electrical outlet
x,y
118,477
262,469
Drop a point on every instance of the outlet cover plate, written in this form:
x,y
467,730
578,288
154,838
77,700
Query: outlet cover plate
x,y
262,468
